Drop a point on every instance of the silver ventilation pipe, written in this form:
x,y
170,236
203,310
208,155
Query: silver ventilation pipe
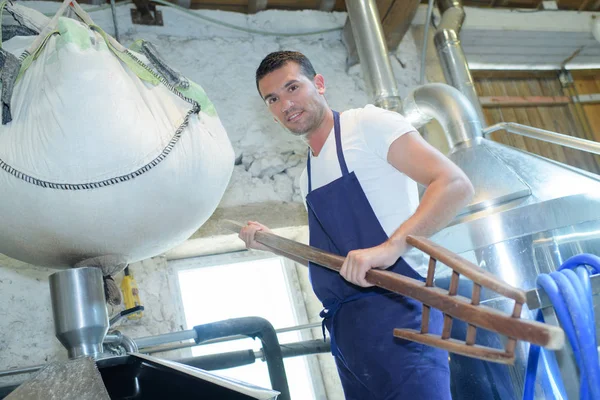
x,y
493,181
449,107
373,54
452,58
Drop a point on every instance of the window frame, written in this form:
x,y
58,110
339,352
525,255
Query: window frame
x,y
293,288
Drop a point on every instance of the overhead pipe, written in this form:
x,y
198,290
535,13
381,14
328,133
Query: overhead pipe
x,y
457,110
373,54
452,57
451,108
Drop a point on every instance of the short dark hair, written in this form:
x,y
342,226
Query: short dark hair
x,y
278,59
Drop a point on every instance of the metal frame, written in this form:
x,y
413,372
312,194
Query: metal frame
x,y
547,136
149,345
538,299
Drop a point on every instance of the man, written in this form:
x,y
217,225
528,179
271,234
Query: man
x,y
362,201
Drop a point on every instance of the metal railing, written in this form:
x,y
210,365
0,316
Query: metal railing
x,y
546,136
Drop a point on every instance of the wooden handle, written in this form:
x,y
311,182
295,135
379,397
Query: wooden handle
x,y
285,247
459,307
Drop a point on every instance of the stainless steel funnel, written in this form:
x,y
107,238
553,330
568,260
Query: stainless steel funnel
x,y
79,309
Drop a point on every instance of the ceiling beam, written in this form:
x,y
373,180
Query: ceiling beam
x,y
255,6
326,5
398,20
584,5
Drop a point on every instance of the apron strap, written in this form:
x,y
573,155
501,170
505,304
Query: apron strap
x,y
338,146
331,307
308,171
338,143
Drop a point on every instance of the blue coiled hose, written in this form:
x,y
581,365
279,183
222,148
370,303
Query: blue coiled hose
x,y
571,295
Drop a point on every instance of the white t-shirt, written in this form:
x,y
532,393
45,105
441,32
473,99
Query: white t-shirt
x,y
367,134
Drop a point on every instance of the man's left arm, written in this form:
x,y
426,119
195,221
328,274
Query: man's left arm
x,y
447,191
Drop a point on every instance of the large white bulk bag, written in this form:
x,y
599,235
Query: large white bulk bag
x,y
105,160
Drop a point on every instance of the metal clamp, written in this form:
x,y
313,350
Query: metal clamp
x,y
537,298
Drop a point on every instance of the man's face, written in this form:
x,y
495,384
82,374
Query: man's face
x,y
295,100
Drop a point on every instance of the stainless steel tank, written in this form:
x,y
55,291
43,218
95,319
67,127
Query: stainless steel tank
x,y
529,215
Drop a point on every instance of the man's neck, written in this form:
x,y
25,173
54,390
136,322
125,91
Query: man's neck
x,y
316,139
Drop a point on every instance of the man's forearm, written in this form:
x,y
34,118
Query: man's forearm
x,y
442,200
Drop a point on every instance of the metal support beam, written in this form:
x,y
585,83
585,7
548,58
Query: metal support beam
x,y
255,6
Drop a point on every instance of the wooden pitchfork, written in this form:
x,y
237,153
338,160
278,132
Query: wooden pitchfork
x,y
447,301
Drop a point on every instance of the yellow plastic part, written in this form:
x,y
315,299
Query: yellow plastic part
x,y
131,296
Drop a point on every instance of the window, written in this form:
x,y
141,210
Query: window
x,y
243,284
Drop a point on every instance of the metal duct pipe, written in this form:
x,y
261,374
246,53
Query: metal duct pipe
x,y
116,338
129,344
449,107
303,348
452,58
254,327
219,361
245,357
373,54
453,14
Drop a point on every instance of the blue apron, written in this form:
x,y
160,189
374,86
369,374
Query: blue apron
x,y
371,362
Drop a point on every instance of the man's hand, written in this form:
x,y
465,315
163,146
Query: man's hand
x,y
247,235
358,262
